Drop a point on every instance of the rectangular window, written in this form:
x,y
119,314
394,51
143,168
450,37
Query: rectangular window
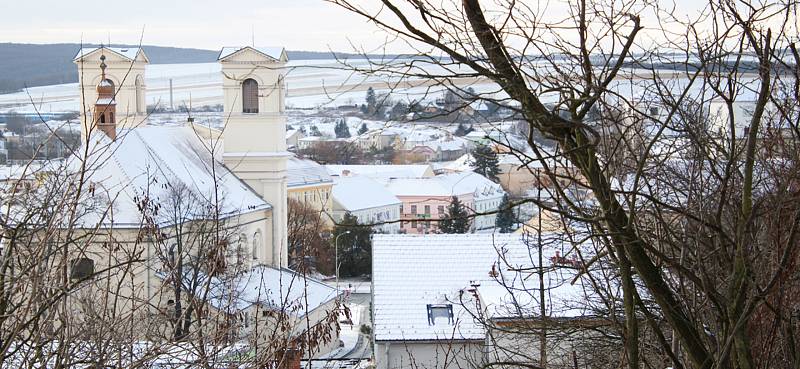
x,y
81,268
440,209
413,224
413,209
401,209
441,313
427,209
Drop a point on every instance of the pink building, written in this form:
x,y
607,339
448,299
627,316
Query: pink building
x,y
425,200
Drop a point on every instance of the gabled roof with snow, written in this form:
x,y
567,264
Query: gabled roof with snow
x,y
383,171
275,53
304,172
412,271
454,184
158,162
278,289
353,193
129,53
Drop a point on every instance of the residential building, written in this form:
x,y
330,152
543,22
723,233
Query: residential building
x,y
368,201
292,137
458,301
309,183
425,200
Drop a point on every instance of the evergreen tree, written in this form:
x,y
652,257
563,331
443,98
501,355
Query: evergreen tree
x,y
354,248
372,100
363,129
457,218
505,220
461,130
399,110
315,131
485,162
341,129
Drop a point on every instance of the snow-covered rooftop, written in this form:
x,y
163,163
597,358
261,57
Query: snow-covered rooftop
x,y
304,172
454,184
353,193
411,272
272,52
280,289
128,52
155,160
383,171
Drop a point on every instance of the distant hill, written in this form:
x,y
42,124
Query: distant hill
x,y
29,65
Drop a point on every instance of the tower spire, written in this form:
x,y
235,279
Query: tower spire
x,y
103,66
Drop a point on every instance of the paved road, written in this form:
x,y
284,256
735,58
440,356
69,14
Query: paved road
x,y
362,301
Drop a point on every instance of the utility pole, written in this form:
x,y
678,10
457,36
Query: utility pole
x,y
170,95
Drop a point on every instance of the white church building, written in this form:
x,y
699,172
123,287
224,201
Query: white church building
x,y
177,176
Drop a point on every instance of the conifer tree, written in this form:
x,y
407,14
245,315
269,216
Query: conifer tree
x,y
372,101
354,248
485,162
363,129
457,218
341,129
505,219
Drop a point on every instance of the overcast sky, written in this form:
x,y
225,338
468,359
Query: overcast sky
x,y
207,24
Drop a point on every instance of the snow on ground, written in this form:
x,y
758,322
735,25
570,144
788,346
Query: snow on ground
x,y
310,84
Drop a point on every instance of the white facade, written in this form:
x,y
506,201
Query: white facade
x,y
368,201
487,200
255,138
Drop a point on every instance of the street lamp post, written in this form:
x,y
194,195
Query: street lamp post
x,y
336,253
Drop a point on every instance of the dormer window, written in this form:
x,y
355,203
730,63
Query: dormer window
x,y
250,96
443,313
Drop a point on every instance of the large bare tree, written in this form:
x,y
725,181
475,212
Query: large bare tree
x,y
683,132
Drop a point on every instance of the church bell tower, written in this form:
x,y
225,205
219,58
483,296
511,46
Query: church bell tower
x,y
121,77
255,129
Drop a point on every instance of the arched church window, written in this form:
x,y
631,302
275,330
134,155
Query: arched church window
x,y
102,118
111,117
140,108
241,248
250,96
257,242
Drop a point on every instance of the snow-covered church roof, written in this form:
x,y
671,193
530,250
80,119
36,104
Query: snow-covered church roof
x,y
158,163
130,53
276,52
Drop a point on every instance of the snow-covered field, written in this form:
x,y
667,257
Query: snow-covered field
x,y
310,84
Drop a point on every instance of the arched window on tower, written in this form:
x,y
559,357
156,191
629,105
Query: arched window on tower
x,y
102,118
140,108
250,96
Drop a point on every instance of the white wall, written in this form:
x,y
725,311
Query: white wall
x,y
388,213
427,355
